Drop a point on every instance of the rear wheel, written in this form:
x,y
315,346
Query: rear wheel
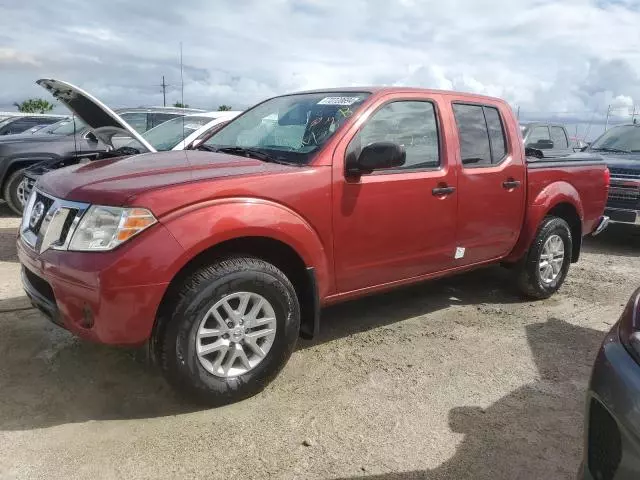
x,y
233,327
544,268
15,191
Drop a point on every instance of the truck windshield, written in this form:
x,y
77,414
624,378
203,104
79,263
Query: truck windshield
x,y
290,128
623,139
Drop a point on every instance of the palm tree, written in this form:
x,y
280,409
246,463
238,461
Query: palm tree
x,y
34,105
224,108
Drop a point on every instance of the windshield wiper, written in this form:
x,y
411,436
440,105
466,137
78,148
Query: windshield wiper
x,y
612,150
251,153
207,148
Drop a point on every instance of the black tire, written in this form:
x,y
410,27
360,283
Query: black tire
x,y
178,357
10,192
528,275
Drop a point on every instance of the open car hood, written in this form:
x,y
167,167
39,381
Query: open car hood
x,y
102,121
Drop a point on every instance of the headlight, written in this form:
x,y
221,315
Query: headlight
x,y
104,228
629,326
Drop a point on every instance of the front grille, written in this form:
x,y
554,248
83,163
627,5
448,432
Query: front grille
x,y
40,285
47,202
624,194
604,443
47,221
624,172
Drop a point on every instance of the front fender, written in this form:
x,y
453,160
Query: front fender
x,y
200,227
546,200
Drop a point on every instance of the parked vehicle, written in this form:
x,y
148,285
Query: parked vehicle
x,y
14,125
176,134
220,258
546,140
612,419
84,142
620,148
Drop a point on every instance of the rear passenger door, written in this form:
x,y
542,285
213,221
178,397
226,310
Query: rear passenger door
x,y
491,189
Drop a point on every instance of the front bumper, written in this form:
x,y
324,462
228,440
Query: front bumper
x,y
612,419
623,215
106,297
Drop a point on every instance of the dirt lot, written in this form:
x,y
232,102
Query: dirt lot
x,y
448,380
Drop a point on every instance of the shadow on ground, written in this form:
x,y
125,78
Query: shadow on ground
x,y
535,431
617,239
488,285
49,377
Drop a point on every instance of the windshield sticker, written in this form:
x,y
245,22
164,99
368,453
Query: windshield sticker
x,y
339,101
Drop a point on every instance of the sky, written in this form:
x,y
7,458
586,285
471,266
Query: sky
x,y
568,59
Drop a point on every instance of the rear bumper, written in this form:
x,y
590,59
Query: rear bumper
x,y
109,297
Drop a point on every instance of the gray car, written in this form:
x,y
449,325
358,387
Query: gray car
x,y
612,419
97,129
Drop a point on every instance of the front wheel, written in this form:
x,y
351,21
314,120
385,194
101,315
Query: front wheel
x,y
544,268
232,328
15,191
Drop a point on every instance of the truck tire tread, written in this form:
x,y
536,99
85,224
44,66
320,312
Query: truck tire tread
x,y
527,270
178,361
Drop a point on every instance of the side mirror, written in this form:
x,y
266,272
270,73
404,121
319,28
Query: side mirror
x,y
376,156
91,137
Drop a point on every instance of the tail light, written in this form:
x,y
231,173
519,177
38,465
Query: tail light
x,y
629,326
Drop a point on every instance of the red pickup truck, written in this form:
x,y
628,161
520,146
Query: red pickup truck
x,y
220,257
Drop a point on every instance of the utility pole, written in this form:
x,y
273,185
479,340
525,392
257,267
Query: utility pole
x,y
518,114
606,124
181,78
164,92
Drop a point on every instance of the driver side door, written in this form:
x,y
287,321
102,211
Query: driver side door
x,y
392,225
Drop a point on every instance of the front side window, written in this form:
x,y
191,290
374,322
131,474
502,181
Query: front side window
x,y
290,128
559,137
410,124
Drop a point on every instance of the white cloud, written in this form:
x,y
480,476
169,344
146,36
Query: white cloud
x,y
571,56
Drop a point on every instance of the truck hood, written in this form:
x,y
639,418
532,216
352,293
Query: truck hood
x,y
627,161
102,121
115,181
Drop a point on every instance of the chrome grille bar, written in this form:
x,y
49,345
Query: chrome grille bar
x,y
50,233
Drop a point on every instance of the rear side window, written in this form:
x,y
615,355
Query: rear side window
x,y
481,135
559,137
537,134
138,120
472,131
496,134
156,119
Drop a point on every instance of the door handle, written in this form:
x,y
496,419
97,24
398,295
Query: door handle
x,y
511,184
443,191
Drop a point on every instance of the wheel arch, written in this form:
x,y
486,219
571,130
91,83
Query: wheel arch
x,y
559,199
271,250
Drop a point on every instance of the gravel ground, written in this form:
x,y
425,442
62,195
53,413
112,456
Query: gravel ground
x,y
451,379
